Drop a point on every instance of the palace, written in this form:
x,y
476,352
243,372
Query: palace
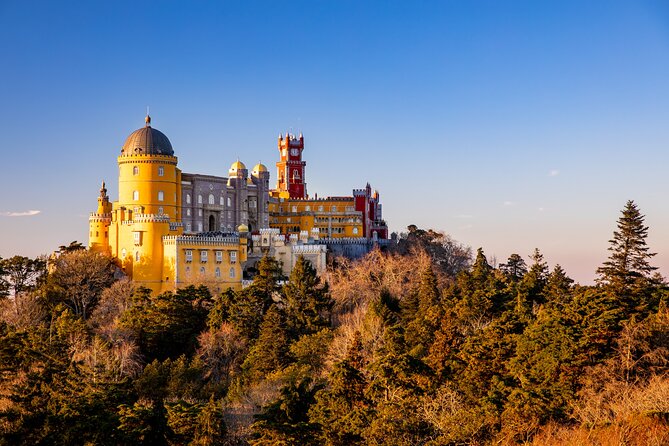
x,y
292,211
169,229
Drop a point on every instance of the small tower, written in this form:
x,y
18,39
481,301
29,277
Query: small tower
x,y
260,177
98,222
290,167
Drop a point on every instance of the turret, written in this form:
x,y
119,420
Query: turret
x,y
290,167
98,223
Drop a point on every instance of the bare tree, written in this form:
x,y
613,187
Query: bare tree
x,y
81,276
23,311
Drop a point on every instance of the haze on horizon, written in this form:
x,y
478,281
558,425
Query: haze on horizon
x,y
509,126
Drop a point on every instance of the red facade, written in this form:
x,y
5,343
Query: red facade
x,y
290,167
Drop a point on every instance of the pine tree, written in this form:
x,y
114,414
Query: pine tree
x,y
629,259
308,303
514,268
558,286
627,272
270,352
285,421
341,410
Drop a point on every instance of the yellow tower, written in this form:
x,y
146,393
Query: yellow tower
x,y
99,222
143,230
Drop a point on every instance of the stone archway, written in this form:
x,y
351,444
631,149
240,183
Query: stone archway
x,y
212,223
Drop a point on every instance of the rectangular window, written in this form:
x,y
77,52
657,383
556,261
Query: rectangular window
x,y
203,256
137,236
189,255
161,171
161,195
219,256
233,256
135,195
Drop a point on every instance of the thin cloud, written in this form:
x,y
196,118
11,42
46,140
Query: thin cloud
x,y
20,214
554,173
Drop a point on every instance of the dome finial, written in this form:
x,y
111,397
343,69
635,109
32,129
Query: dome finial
x,y
147,120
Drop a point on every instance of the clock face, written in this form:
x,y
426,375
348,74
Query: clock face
x,y
294,152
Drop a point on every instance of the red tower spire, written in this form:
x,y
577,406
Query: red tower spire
x,y
290,167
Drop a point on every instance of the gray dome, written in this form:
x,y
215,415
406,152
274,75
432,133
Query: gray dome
x,y
147,141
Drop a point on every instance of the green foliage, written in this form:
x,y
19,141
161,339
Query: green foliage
x,y
143,423
285,421
19,274
308,303
167,325
341,410
627,272
490,356
270,352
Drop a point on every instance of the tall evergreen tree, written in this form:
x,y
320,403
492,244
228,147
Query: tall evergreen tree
x,y
629,261
514,268
308,302
341,410
270,352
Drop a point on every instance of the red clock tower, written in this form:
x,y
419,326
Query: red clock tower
x,y
290,167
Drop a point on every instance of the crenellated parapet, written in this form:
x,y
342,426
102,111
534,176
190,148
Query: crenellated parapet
x,y
200,240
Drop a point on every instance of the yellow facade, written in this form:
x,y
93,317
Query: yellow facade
x,y
143,230
333,217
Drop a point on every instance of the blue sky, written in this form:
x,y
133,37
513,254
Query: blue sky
x,y
509,125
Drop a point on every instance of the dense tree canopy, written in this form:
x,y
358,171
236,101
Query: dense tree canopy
x,y
413,346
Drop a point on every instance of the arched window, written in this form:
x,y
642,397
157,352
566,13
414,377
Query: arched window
x,y
334,208
135,170
218,272
136,256
188,198
123,253
135,195
229,201
188,212
212,199
308,208
232,273
199,199
202,270
221,202
161,211
199,226
161,171
294,209
355,231
161,195
296,174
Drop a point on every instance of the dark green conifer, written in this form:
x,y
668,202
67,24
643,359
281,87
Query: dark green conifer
x,y
308,303
628,267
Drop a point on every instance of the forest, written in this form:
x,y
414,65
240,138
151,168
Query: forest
x,y
427,343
